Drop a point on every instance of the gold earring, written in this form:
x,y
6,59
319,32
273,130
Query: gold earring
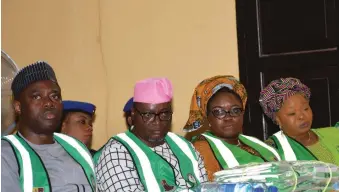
x,y
279,126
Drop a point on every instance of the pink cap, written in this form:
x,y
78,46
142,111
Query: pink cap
x,y
153,90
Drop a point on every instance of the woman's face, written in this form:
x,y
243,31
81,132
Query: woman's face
x,y
229,125
79,126
295,116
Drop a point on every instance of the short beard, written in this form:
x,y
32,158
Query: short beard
x,y
156,140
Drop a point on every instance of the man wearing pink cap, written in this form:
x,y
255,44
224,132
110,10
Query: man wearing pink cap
x,y
149,157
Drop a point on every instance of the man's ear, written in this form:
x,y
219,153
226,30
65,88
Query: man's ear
x,y
132,114
17,107
129,121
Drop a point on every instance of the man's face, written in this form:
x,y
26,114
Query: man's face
x,y
152,122
40,107
78,125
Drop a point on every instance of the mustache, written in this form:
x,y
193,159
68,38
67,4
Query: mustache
x,y
51,110
155,140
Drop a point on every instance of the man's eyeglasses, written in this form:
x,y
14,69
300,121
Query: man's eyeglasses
x,y
149,116
222,113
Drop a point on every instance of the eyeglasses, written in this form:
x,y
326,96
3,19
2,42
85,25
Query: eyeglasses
x,y
149,116
222,113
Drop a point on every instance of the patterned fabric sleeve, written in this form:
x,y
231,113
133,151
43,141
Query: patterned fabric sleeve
x,y
116,171
203,173
211,163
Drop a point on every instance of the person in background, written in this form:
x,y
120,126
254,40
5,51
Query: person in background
x,y
127,112
220,102
287,102
149,157
77,121
36,158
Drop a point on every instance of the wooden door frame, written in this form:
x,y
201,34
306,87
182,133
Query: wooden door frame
x,y
248,46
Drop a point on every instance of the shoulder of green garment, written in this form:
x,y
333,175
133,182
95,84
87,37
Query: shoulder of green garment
x,y
337,125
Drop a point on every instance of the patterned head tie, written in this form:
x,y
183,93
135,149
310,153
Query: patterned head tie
x,y
274,94
204,91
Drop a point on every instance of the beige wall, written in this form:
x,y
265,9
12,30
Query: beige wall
x,y
100,48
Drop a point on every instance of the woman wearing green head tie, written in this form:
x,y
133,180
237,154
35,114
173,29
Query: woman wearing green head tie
x,y
286,102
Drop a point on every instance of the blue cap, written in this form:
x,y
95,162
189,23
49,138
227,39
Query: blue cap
x,y
79,106
128,105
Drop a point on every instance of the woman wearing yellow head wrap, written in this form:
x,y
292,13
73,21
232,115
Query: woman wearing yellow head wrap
x,y
220,101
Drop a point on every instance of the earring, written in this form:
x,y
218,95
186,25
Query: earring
x,y
281,130
131,128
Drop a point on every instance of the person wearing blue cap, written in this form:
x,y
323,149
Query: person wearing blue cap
x,y
127,112
77,121
37,158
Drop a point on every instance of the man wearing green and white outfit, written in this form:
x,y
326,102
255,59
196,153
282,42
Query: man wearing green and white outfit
x,y
35,158
149,157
